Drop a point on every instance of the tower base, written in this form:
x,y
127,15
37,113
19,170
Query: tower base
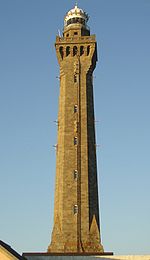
x,y
72,248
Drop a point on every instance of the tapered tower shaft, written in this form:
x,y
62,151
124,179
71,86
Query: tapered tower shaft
x,y
76,210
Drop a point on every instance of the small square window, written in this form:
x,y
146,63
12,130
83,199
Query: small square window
x,y
75,33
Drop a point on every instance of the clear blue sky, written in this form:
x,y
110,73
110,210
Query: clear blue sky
x,y
29,94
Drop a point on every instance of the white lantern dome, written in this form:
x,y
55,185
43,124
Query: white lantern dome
x,y
76,15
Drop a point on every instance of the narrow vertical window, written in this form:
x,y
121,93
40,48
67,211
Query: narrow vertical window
x,y
75,78
75,174
75,209
67,50
88,50
61,52
75,108
81,50
75,140
75,50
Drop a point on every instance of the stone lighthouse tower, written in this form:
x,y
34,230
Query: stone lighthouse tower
x,y
76,210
